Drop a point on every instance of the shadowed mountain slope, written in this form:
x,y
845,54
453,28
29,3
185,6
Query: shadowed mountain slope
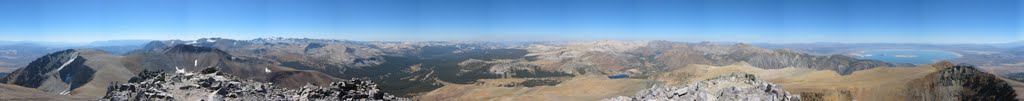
x,y
82,72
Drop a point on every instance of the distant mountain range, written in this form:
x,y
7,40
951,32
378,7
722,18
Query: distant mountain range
x,y
421,70
1001,59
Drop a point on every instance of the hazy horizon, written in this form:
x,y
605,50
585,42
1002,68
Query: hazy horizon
x,y
74,43
752,21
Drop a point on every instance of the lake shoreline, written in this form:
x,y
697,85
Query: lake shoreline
x,y
912,56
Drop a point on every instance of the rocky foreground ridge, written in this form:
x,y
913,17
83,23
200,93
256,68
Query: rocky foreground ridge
x,y
960,82
727,87
211,85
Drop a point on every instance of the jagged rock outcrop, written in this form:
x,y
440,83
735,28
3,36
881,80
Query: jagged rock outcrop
x,y
59,72
727,87
210,84
960,82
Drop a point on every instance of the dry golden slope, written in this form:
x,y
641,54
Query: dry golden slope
x,y
10,92
1017,87
580,88
1007,69
878,84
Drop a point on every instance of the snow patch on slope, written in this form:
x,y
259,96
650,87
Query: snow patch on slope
x,y
178,70
68,90
74,55
193,42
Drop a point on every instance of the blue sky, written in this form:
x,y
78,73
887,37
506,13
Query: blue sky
x,y
779,21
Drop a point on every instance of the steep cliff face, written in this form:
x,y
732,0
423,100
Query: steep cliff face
x,y
727,87
211,84
960,82
59,72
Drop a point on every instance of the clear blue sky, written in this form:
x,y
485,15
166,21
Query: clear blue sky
x,y
785,21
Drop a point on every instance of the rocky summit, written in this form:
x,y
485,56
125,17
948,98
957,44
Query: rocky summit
x,y
211,85
727,87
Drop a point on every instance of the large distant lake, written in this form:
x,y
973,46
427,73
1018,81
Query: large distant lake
x,y
909,56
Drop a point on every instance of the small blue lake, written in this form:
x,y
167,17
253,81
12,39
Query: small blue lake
x,y
909,56
618,76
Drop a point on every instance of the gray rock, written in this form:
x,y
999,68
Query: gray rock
x,y
960,83
728,87
213,86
